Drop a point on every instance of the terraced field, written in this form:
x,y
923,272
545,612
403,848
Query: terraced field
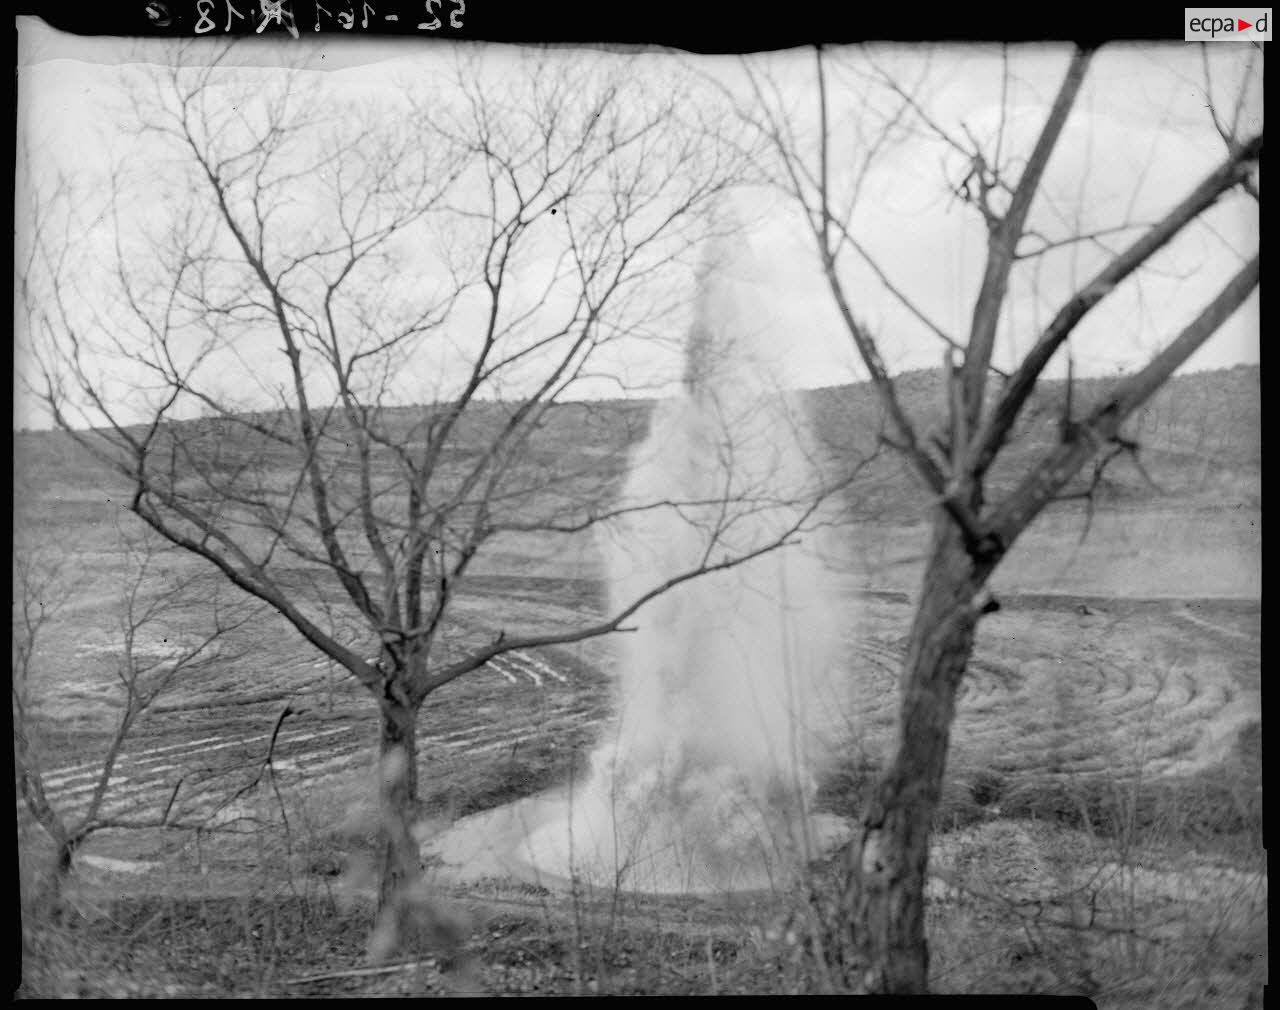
x,y
202,750
1063,692
205,751
1071,686
1072,704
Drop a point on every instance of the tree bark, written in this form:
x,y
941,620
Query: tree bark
x,y
62,863
887,862
398,784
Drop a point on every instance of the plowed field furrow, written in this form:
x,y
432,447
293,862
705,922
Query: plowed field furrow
x,y
1249,638
480,742
214,764
1148,689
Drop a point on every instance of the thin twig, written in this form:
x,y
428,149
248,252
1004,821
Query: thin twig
x,y
329,976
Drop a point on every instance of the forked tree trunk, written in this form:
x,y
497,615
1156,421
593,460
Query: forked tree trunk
x,y
52,888
887,863
63,860
31,789
398,797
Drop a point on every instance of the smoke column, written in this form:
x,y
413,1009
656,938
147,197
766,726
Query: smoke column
x,y
727,686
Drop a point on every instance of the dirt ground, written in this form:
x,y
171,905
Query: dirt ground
x,y
1101,822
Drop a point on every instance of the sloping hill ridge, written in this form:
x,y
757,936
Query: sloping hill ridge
x,y
1199,437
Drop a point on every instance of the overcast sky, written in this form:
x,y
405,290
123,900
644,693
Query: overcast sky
x,y
1141,137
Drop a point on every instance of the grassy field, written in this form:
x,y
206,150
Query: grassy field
x,y
1101,831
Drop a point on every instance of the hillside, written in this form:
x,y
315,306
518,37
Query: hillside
x,y
1200,440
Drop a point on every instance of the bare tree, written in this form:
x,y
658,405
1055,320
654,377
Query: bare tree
x,y
488,248
155,607
881,911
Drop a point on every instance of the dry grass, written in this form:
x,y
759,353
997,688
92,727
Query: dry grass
x,y
1134,911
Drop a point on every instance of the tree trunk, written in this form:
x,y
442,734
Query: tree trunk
x,y
31,789
62,861
887,864
398,785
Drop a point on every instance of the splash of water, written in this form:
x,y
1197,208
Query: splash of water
x,y
727,686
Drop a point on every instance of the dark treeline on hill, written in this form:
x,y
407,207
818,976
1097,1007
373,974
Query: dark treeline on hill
x,y
1199,442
